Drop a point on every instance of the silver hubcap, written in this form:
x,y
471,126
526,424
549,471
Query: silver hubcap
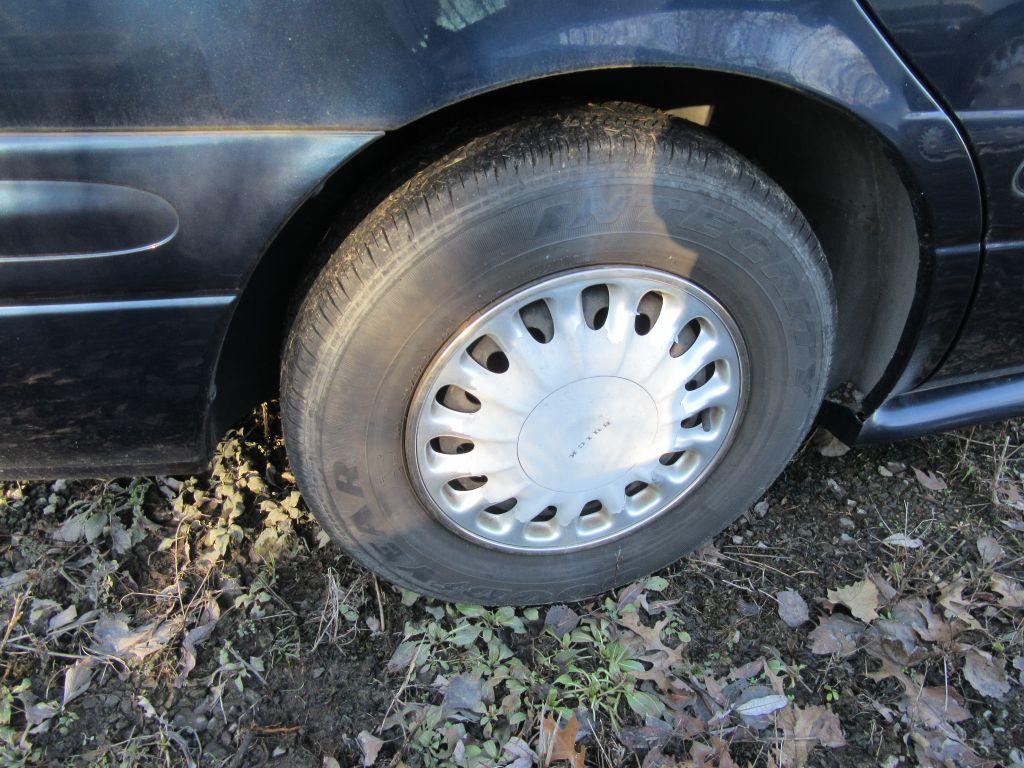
x,y
576,409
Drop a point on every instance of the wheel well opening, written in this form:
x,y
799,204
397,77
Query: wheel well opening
x,y
842,178
836,170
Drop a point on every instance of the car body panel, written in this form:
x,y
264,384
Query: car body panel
x,y
227,191
233,114
116,385
972,53
122,258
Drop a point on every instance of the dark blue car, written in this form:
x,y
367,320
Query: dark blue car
x,y
550,291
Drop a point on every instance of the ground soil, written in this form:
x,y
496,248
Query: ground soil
x,y
820,526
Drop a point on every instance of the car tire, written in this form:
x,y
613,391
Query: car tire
x,y
621,189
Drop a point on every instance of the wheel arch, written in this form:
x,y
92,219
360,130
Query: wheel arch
x,y
885,279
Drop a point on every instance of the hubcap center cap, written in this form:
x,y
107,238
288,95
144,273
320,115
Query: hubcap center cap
x,y
587,434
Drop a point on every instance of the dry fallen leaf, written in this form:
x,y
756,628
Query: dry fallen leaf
x,y
991,551
86,525
804,729
836,634
792,608
748,670
559,743
951,598
561,620
194,637
1011,591
77,678
404,656
114,638
658,759
708,554
370,746
861,598
986,674
936,749
661,657
933,706
38,713
15,580
887,670
520,750
1008,494
714,755
63,618
902,540
631,594
936,628
930,481
657,733
895,642
886,591
464,697
754,710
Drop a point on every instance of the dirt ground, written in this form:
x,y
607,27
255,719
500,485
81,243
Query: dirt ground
x,y
868,611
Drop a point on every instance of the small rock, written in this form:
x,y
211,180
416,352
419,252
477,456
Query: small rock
x,y
847,523
761,508
846,538
829,445
884,471
737,539
836,488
